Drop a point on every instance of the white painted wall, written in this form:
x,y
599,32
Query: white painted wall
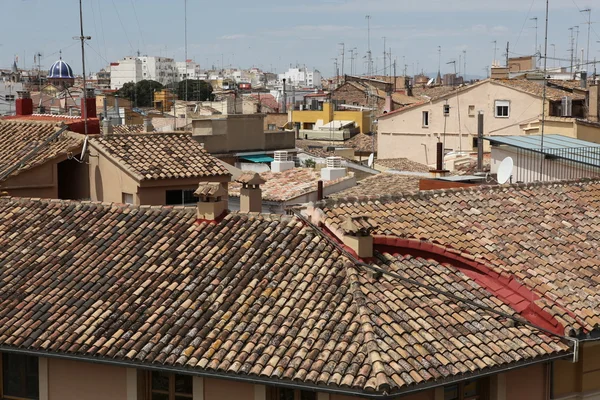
x,y
402,134
128,69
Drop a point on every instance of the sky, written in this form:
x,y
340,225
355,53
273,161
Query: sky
x,y
274,34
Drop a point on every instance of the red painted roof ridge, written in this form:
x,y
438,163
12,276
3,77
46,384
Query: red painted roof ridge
x,y
511,291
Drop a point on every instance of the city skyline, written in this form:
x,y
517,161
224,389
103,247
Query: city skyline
x,y
272,36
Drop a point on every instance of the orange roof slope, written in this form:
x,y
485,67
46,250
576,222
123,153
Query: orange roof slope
x,y
264,298
545,235
19,139
161,156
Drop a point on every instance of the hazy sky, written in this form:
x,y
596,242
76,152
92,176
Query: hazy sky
x,y
272,34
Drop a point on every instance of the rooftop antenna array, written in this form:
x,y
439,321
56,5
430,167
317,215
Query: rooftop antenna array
x,y
83,38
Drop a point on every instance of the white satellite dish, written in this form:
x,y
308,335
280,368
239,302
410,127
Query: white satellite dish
x,y
371,160
81,158
505,170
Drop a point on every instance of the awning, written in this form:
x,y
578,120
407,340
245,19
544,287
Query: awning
x,y
258,158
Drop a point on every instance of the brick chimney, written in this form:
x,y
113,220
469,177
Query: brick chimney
x,y
24,103
250,193
358,237
89,103
212,200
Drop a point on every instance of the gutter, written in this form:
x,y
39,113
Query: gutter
x,y
277,382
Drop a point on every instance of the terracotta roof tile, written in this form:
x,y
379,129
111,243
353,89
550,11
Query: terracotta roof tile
x,y
402,164
18,139
260,297
380,184
288,185
545,235
161,156
121,129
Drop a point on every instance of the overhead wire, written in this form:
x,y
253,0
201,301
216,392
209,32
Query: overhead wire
x,y
139,27
525,22
122,25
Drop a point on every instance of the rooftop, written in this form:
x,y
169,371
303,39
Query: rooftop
x,y
381,184
255,297
402,164
546,235
288,185
160,155
30,143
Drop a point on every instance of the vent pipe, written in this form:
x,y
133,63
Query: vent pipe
x,y
480,142
284,98
439,160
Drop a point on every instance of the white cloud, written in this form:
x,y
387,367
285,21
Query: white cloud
x,y
234,36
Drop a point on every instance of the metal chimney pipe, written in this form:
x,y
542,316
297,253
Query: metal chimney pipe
x,y
583,80
319,190
105,108
480,141
284,98
439,164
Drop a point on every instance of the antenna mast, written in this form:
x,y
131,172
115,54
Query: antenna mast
x,y
83,39
544,94
384,59
186,64
589,24
369,58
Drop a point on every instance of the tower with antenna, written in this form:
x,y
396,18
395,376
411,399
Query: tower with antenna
x,y
83,38
369,55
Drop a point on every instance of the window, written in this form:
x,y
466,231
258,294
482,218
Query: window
x,y
165,386
271,127
471,111
475,142
20,377
425,119
127,198
467,390
9,97
290,394
502,108
180,197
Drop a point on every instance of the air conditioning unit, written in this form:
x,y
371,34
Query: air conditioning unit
x,y
280,155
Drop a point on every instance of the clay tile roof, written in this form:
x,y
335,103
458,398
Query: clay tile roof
x,y
380,184
120,129
402,164
160,156
210,189
546,236
19,139
536,88
250,178
262,298
288,185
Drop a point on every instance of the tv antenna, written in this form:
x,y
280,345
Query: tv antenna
x,y
505,171
83,38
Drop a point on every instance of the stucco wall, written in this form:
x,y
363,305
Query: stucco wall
x,y
72,380
217,389
108,182
36,182
403,135
232,133
527,383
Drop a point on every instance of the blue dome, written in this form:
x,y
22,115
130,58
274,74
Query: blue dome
x,y
60,70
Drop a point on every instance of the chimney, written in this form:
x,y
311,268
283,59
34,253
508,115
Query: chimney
x,y
281,162
107,128
250,193
24,103
480,141
212,200
284,99
148,127
583,80
334,169
117,110
358,237
594,103
88,104
388,103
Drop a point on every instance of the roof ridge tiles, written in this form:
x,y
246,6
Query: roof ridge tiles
x,y
385,198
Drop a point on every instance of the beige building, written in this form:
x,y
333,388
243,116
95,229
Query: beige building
x,y
507,105
150,169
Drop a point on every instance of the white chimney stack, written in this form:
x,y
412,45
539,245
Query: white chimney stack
x,y
281,162
334,169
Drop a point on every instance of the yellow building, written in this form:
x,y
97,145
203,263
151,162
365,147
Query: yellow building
x,y
163,100
311,119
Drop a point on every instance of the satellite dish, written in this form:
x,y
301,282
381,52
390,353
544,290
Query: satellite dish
x,y
81,159
371,159
505,170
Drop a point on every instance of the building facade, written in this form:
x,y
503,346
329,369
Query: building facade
x,y
160,69
301,78
126,70
189,70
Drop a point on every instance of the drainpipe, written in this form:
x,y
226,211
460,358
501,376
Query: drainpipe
x,y
319,190
439,162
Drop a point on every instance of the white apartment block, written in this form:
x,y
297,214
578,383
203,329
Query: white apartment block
x,y
126,70
301,78
189,70
160,69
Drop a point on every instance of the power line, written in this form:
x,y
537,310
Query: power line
x,y
122,26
